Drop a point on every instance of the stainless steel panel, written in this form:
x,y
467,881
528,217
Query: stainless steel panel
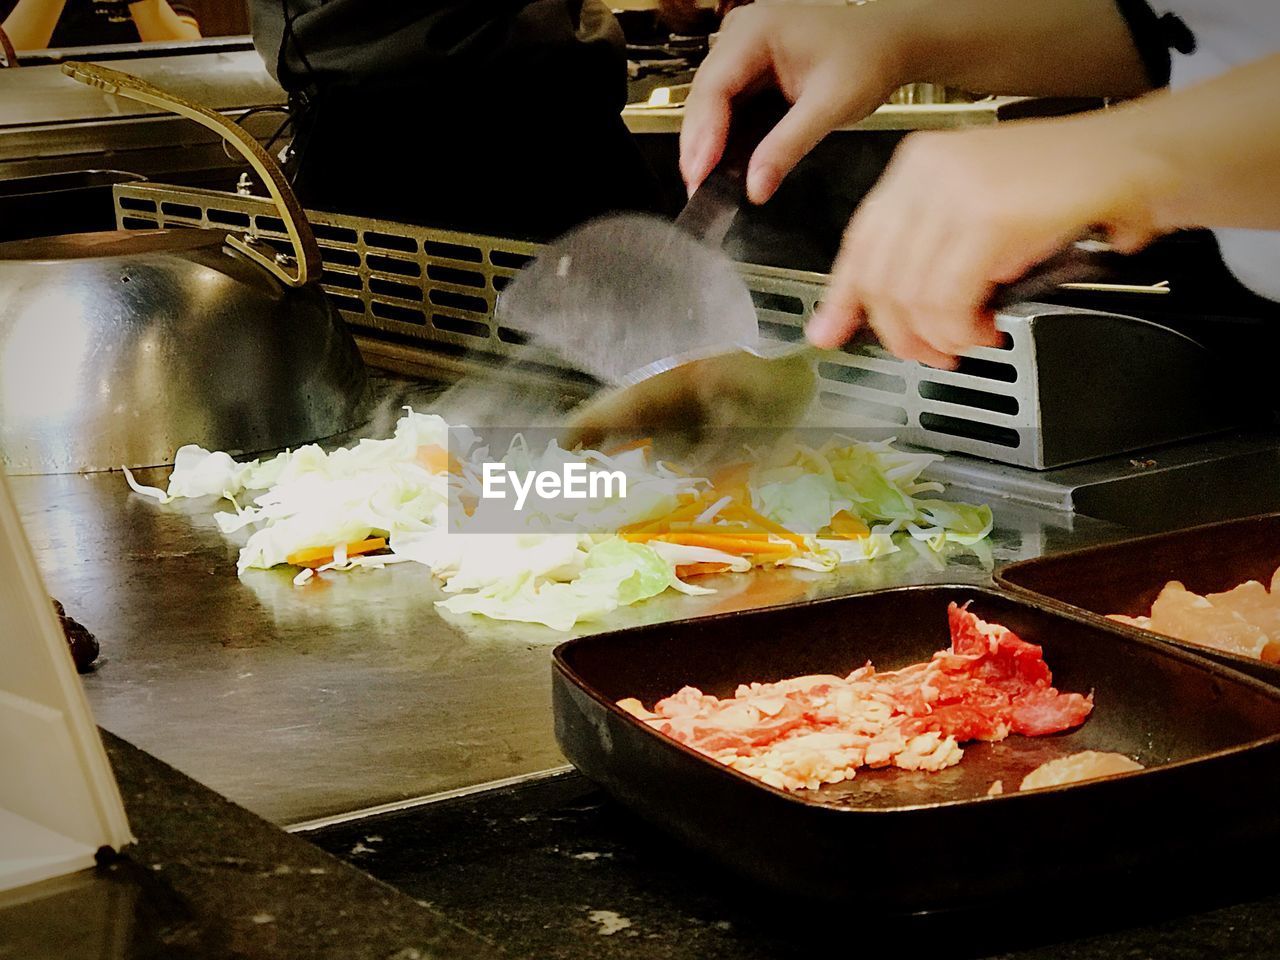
x,y
1145,384
42,96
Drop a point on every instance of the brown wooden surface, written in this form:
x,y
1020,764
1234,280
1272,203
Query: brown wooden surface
x,y
221,18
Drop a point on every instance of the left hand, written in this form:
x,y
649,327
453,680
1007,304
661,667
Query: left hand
x,y
957,213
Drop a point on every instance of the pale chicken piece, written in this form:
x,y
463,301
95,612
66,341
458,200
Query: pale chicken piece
x,y
996,788
1261,608
803,760
1252,601
1188,616
1085,765
637,709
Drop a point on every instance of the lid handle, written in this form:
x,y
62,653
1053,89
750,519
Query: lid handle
x,y
6,47
305,262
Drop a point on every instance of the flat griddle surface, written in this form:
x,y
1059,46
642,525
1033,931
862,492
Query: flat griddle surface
x,y
913,841
1127,576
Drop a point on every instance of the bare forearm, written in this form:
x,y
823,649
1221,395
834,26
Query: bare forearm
x,y
156,20
1216,147
838,64
1028,47
31,23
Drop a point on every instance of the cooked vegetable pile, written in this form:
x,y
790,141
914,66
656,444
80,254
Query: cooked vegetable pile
x,y
416,497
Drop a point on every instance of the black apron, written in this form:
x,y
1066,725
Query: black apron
x,y
490,118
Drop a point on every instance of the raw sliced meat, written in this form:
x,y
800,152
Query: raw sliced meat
x,y
806,731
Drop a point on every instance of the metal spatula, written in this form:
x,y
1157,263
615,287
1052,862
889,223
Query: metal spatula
x,y
733,390
628,290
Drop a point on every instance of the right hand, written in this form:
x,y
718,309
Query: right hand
x,y
834,64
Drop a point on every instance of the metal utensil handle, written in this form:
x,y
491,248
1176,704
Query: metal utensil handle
x,y
1082,262
712,208
10,54
306,253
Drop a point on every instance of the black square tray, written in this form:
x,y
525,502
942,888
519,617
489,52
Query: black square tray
x,y
1126,577
913,841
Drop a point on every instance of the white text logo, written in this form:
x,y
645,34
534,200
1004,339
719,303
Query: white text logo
x,y
575,481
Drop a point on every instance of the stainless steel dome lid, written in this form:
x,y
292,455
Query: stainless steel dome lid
x,y
118,347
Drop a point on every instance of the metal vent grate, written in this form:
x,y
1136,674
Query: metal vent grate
x,y
430,286
985,407
436,290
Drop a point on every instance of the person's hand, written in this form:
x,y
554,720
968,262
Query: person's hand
x,y
835,64
957,213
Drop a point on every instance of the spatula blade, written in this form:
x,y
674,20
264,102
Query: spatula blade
x,y
621,292
719,396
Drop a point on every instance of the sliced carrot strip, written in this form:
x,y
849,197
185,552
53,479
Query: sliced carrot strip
x,y
731,480
741,546
319,556
685,512
743,510
686,570
846,525
730,529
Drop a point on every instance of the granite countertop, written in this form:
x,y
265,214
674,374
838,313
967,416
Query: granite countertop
x,y
209,879
555,869
548,869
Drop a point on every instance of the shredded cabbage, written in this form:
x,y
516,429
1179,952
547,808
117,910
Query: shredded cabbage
x,y
615,574
872,481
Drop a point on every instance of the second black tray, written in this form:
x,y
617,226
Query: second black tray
x,y
1126,577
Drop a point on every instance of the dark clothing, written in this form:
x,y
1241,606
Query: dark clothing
x,y
1155,35
492,165
498,117
383,42
89,23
